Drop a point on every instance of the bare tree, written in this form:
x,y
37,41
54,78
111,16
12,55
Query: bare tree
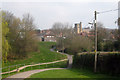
x,y
28,33
61,30
77,43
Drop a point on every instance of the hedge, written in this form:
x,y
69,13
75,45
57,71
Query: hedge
x,y
106,62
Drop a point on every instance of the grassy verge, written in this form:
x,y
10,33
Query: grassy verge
x,y
69,73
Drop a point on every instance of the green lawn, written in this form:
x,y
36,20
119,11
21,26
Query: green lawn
x,y
45,55
69,73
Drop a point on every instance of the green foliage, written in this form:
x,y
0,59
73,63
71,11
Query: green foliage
x,y
117,43
5,44
106,63
109,46
84,60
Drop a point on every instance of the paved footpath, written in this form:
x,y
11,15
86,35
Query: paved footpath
x,y
27,74
69,57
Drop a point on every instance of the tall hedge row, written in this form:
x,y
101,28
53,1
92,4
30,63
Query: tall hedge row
x,y
106,62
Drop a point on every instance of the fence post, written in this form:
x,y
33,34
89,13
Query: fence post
x,y
39,66
59,64
1,73
31,66
53,65
9,70
16,66
46,65
24,66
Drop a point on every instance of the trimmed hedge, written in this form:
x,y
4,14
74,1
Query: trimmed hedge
x,y
106,62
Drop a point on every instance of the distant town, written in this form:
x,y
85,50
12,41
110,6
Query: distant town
x,y
48,35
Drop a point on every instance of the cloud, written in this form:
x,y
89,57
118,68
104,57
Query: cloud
x,y
47,13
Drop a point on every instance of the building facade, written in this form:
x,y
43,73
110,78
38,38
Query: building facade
x,y
45,35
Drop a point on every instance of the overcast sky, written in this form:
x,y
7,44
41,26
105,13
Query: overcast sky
x,y
46,13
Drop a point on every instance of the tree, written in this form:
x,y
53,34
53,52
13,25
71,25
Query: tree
x,y
118,37
107,38
13,35
21,36
69,41
77,44
61,30
5,44
117,42
102,34
27,33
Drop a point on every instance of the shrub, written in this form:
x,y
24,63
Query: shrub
x,y
106,62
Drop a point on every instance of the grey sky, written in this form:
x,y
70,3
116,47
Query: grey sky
x,y
47,13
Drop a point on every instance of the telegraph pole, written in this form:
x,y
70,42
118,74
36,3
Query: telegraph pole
x,y
95,63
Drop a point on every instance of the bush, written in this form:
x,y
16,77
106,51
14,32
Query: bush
x,y
106,63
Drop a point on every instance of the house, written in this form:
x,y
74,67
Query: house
x,y
49,38
46,35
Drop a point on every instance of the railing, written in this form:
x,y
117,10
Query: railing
x,y
30,66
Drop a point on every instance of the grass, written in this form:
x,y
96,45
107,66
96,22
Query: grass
x,y
69,73
45,55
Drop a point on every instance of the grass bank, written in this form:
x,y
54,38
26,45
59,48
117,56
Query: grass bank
x,y
44,55
70,73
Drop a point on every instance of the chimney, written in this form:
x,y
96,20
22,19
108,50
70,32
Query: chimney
x,y
80,26
77,28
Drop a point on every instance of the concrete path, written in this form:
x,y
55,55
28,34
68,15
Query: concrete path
x,y
27,74
69,57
